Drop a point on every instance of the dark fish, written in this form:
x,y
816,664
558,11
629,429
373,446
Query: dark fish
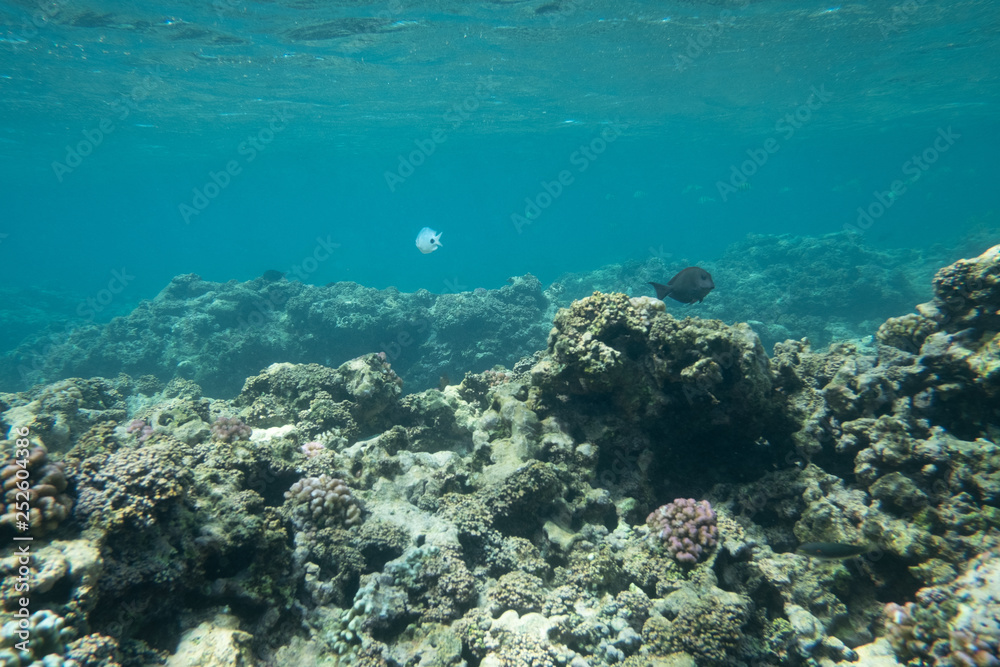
x,y
690,285
832,550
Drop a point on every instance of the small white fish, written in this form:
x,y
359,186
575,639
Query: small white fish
x,y
428,240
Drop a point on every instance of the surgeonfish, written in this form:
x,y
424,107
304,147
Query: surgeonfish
x,y
428,240
689,285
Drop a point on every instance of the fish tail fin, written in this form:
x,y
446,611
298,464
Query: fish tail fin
x,y
661,290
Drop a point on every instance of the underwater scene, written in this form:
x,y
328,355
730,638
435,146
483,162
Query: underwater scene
x,y
500,333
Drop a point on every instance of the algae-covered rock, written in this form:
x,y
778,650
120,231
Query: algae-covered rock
x,y
699,376
706,624
59,413
359,396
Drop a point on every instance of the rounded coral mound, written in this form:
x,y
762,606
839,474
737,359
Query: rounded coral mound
x,y
906,333
687,527
318,502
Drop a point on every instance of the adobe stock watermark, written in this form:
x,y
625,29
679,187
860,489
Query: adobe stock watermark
x,y
218,181
31,368
308,265
93,137
697,44
785,127
90,307
453,118
913,169
660,254
901,15
550,191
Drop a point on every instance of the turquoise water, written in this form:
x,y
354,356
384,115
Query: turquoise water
x,y
304,120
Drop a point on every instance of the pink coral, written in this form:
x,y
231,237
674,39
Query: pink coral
x,y
142,428
687,527
230,429
313,448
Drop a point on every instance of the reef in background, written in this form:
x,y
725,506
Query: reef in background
x,y
216,334
823,288
321,517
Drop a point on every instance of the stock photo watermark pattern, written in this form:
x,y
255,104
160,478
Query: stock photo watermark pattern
x,y
550,191
912,170
248,150
122,108
785,128
452,119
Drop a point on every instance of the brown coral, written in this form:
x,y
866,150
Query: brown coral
x,y
133,486
906,333
33,489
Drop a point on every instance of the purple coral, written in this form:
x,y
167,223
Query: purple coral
x,y
229,429
313,448
142,428
687,527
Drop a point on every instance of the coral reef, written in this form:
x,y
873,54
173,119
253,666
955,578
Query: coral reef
x,y
687,528
228,429
141,429
321,400
312,448
322,501
43,637
907,332
218,334
700,374
957,624
506,519
823,288
34,498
